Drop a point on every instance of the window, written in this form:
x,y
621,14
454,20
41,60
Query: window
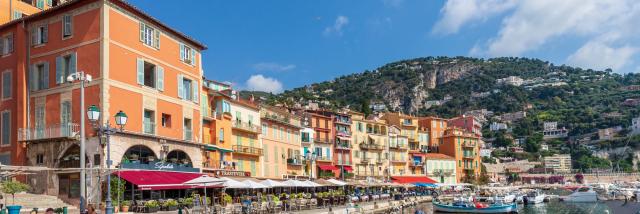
x,y
281,133
97,160
187,129
149,122
187,54
275,131
6,84
6,128
150,75
40,76
49,3
39,34
187,89
149,36
67,26
65,118
6,44
39,159
65,65
17,14
166,120
221,135
264,129
40,4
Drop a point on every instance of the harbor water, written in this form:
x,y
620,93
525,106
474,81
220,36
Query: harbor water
x,y
558,207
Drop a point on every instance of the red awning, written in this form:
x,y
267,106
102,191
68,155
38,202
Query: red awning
x,y
328,167
348,168
412,179
159,180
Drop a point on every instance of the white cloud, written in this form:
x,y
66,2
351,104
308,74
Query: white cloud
x,y
608,28
262,83
272,66
336,28
456,13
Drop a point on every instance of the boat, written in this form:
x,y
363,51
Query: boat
x,y
582,194
469,207
534,197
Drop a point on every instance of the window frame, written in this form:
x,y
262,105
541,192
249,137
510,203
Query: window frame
x,y
150,36
10,87
4,114
64,26
42,35
7,46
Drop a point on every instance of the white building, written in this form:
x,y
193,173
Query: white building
x,y
551,131
512,80
559,163
495,126
441,168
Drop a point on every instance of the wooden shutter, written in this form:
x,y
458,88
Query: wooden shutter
x,y
74,63
195,91
32,77
156,38
160,78
180,87
141,32
45,33
34,36
140,73
10,43
2,42
59,72
46,75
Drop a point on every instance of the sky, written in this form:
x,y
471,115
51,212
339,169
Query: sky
x,y
278,45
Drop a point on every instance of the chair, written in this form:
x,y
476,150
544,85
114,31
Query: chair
x,y
313,203
237,208
263,208
302,203
275,206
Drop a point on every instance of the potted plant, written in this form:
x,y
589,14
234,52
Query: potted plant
x,y
116,206
124,207
170,205
13,187
133,157
227,199
151,158
58,210
151,206
173,160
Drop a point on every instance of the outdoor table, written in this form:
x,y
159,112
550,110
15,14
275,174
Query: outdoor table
x,y
354,198
364,198
375,197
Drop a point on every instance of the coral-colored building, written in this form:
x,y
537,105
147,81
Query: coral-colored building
x,y
466,122
281,143
138,65
435,127
323,144
465,148
16,9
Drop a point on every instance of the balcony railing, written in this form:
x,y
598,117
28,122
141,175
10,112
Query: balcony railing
x,y
343,121
343,162
275,117
343,146
379,161
306,140
365,160
398,160
344,133
149,127
246,127
56,131
370,146
323,159
416,163
467,155
294,161
468,144
321,140
247,150
398,146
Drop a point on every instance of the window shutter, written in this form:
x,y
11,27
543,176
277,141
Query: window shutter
x,y
141,32
32,78
160,78
74,63
182,52
193,56
195,91
6,84
46,75
140,71
2,42
45,33
10,43
59,73
34,36
180,87
156,38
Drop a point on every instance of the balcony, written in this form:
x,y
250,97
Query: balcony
x,y
344,120
247,150
398,146
468,144
416,163
324,159
468,156
344,146
209,114
294,162
442,172
468,168
398,160
279,119
52,132
365,160
370,146
343,163
246,127
323,141
149,127
343,133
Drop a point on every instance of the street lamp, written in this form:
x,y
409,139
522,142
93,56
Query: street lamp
x,y
84,79
311,157
121,119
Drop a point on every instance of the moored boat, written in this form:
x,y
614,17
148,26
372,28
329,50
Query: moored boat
x,y
468,207
582,194
534,197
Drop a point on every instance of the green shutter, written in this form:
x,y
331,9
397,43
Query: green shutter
x,y
140,71
193,56
59,73
156,38
196,89
141,32
182,52
180,87
160,78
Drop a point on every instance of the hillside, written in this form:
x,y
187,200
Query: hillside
x,y
582,100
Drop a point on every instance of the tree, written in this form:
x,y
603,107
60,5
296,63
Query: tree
x,y
117,189
502,140
365,107
13,187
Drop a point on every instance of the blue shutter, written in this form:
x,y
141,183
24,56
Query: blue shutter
x,y
160,78
46,75
328,153
59,73
74,63
182,52
140,71
180,87
193,56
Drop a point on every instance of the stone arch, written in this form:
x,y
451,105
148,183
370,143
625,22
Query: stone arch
x,y
179,156
139,153
70,157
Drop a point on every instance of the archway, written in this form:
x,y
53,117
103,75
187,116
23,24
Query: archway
x,y
69,181
139,154
179,157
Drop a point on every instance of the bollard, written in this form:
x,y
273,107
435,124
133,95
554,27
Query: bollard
x,y
64,210
180,210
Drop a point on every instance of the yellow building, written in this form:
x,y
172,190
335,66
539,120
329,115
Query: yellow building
x,y
417,140
370,149
245,135
281,143
397,153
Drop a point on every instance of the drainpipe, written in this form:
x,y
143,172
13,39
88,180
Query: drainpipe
x,y
27,70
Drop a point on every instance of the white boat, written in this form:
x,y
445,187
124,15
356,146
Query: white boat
x,y
582,194
534,197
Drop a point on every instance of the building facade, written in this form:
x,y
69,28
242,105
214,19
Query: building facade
x,y
245,135
343,144
398,152
436,127
441,168
280,136
464,147
371,150
559,163
323,144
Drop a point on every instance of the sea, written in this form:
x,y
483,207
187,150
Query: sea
x,y
559,207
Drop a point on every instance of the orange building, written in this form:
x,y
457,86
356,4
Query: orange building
x,y
138,65
465,148
16,9
435,127
281,143
323,144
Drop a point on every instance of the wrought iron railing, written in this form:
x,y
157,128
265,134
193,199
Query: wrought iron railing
x,y
69,130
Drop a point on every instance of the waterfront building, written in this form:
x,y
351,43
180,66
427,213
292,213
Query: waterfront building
x,y
323,143
138,65
559,163
464,147
436,127
16,9
371,139
418,141
398,147
441,168
343,144
281,143
245,135
467,122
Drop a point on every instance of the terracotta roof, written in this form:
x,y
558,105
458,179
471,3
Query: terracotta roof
x,y
437,156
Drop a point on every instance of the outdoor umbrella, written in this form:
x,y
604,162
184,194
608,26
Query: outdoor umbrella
x,y
205,181
233,184
312,184
254,185
295,183
337,182
272,183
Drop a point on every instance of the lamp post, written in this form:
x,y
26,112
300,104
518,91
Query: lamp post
x,y
84,79
121,119
312,158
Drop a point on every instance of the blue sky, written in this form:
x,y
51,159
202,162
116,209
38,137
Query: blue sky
x,y
279,45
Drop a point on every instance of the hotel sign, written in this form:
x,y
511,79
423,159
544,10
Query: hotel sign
x,y
230,173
